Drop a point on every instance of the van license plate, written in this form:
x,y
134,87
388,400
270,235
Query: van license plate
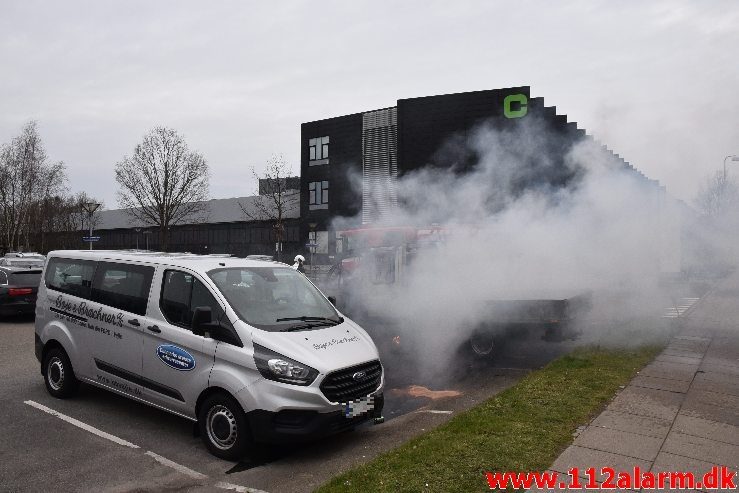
x,y
352,409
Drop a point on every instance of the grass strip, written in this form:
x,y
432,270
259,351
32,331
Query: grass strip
x,y
524,428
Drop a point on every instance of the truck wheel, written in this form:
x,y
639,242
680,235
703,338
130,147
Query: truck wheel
x,y
59,375
482,343
223,427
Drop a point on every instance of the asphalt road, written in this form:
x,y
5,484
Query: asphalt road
x,y
157,451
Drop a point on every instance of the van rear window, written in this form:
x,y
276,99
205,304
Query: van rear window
x,y
70,276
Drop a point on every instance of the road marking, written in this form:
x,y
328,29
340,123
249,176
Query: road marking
x,y
80,424
177,467
680,308
239,489
162,460
434,411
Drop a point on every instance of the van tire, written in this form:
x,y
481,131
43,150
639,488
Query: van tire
x,y
59,375
223,427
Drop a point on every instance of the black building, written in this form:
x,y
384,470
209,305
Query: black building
x,y
349,164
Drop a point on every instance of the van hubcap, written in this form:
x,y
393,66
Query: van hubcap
x,y
55,373
221,427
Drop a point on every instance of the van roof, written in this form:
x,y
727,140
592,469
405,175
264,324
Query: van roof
x,y
176,259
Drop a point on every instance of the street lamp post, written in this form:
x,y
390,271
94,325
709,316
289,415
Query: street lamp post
x,y
733,158
138,230
312,248
146,234
90,208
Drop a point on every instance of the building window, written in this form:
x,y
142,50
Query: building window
x,y
318,151
318,195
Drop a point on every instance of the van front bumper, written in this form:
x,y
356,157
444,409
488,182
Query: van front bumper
x,y
293,425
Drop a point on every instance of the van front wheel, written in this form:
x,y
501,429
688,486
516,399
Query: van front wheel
x,y
59,375
223,427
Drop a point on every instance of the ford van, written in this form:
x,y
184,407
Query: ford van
x,y
249,349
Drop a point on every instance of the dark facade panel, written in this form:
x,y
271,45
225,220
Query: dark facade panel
x,y
342,169
427,124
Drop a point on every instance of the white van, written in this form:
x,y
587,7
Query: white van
x,y
250,349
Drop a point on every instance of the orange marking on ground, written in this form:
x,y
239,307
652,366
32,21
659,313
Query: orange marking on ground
x,y
419,391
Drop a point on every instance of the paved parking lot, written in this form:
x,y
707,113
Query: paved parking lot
x,y
103,442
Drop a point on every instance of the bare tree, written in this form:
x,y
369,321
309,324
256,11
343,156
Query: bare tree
x,y
275,198
718,196
163,183
26,180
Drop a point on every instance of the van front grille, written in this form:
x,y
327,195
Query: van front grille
x,y
342,386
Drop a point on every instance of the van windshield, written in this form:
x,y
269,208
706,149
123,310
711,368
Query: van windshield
x,y
274,298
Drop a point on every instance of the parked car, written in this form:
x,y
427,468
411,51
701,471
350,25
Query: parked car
x,y
25,255
28,262
18,289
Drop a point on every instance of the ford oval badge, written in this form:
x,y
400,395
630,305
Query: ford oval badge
x,y
359,375
176,357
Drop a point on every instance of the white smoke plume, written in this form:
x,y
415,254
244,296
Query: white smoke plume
x,y
523,225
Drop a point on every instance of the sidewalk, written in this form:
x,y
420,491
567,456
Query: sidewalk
x,y
681,412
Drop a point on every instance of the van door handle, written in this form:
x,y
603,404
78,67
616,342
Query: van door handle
x,y
134,322
154,328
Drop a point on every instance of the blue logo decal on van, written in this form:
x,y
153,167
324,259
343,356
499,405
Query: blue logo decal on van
x,y
176,357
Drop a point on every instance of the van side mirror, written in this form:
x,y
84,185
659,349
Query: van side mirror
x,y
332,299
204,325
201,317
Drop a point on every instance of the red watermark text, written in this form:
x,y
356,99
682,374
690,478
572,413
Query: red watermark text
x,y
607,478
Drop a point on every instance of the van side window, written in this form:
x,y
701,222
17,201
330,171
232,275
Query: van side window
x,y
201,296
181,294
70,276
175,299
123,286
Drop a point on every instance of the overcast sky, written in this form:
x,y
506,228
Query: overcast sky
x,y
658,82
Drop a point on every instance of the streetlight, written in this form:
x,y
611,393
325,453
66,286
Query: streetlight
x,y
90,208
733,158
138,230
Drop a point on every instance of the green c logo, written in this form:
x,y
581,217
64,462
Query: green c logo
x,y
521,103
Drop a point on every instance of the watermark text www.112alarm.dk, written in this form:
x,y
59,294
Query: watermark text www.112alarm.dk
x,y
607,478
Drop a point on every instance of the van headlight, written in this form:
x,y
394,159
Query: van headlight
x,y
275,366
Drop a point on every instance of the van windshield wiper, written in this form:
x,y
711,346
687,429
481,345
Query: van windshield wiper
x,y
312,322
306,318
307,326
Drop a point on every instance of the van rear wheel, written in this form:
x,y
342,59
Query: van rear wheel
x,y
59,375
223,427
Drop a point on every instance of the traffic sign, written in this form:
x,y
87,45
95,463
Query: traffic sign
x,y
90,238
310,245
